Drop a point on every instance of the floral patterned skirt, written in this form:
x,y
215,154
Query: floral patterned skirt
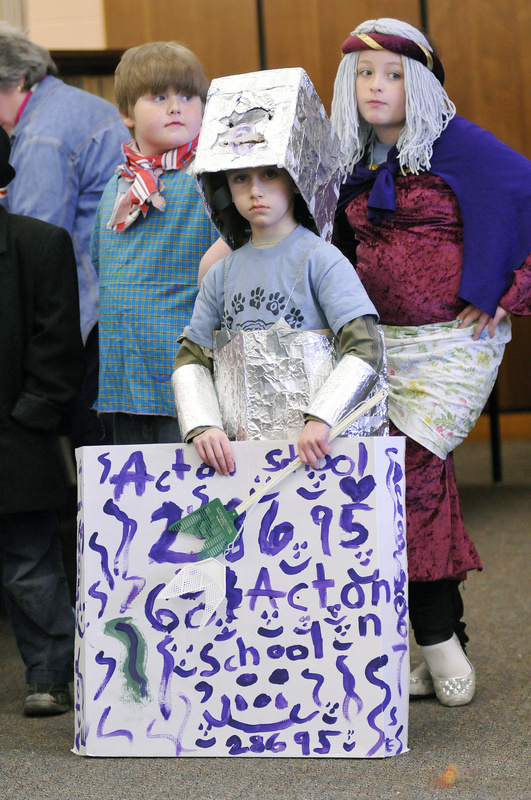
x,y
440,379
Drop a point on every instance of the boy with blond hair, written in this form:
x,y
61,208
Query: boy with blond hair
x,y
150,233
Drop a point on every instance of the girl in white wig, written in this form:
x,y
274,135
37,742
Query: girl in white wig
x,y
434,215
428,107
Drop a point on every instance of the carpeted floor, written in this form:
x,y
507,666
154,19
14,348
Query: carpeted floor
x,y
488,740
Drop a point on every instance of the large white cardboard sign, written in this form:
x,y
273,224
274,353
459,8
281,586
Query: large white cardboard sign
x,y
302,649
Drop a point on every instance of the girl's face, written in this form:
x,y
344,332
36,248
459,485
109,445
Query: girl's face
x,y
380,93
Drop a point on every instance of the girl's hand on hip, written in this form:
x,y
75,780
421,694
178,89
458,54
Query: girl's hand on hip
x,y
471,314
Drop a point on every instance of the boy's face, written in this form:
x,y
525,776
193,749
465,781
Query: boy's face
x,y
264,196
380,93
165,121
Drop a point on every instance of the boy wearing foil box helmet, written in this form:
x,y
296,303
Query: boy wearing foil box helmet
x,y
262,319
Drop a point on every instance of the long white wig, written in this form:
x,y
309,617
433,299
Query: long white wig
x,y
428,107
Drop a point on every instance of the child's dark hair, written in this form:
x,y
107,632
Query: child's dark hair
x,y
152,68
234,228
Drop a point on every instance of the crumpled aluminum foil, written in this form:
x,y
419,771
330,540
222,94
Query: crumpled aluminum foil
x,y
195,398
376,421
266,379
272,117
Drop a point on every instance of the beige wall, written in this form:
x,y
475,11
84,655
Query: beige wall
x,y
13,12
67,24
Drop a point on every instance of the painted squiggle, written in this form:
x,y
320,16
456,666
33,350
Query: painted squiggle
x,y
136,649
206,689
263,727
297,719
402,649
129,528
225,714
370,670
101,596
119,732
138,585
399,740
363,458
394,481
81,715
165,679
104,558
349,685
110,663
295,570
177,740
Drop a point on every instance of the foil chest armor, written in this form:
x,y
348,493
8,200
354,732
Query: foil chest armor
x,y
266,381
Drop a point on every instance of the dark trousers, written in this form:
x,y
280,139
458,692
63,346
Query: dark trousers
x,y
36,595
435,611
145,429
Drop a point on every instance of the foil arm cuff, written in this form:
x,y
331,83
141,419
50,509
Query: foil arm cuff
x,y
195,399
349,384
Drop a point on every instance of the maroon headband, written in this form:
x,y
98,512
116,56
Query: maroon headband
x,y
396,44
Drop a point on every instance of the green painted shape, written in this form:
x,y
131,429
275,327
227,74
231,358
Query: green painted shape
x,y
133,667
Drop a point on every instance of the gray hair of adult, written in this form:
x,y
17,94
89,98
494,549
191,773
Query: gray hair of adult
x,y
428,107
21,58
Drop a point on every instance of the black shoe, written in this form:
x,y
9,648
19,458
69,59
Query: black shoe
x,y
45,700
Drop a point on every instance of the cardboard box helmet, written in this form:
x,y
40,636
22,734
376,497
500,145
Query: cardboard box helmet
x,y
273,117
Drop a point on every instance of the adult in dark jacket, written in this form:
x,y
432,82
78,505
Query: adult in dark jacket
x,y
41,369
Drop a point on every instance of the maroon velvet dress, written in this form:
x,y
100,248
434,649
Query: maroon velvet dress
x,y
411,268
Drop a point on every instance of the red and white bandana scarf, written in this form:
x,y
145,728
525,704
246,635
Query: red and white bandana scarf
x,y
143,173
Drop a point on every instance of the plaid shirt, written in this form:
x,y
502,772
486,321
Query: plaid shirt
x,y
148,285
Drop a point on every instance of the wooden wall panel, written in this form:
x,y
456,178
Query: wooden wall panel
x,y
102,85
222,33
225,35
309,33
514,377
484,46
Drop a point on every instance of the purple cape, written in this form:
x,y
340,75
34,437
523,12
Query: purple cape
x,y
492,183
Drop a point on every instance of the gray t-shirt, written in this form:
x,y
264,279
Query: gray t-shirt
x,y
303,279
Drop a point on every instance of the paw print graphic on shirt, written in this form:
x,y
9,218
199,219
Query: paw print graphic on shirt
x,y
275,304
238,303
257,297
227,320
295,318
